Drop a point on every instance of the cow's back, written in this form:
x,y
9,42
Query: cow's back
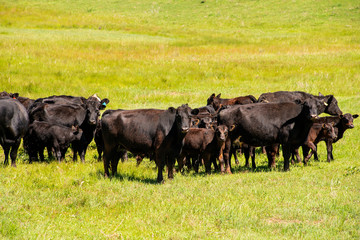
x,y
139,131
260,124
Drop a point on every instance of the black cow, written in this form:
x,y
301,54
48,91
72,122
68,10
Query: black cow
x,y
53,136
341,124
14,122
151,131
70,111
27,102
217,102
329,101
98,138
265,124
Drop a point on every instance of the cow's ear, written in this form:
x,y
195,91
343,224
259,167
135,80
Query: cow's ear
x,y
298,101
197,121
14,95
321,95
355,115
172,110
232,128
341,116
195,111
212,95
75,129
219,95
103,103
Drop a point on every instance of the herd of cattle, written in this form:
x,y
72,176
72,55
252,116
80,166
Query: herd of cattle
x,y
208,135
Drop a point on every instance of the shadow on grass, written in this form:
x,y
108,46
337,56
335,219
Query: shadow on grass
x,y
124,176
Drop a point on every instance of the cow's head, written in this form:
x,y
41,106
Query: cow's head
x,y
329,131
93,106
221,133
77,132
347,120
312,107
183,116
214,101
331,104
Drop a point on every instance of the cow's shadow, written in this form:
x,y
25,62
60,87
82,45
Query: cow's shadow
x,y
128,177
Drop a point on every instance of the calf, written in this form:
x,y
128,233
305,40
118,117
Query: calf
x,y
14,122
341,124
317,132
217,102
54,136
207,143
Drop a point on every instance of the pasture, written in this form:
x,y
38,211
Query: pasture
x,y
157,54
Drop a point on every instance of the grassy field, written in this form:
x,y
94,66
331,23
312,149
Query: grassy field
x,y
145,54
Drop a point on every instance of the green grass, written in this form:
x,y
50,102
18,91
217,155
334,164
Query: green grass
x,y
143,54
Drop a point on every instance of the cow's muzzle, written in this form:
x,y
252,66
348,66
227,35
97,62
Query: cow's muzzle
x,y
185,130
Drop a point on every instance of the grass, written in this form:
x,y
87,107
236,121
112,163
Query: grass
x,y
144,54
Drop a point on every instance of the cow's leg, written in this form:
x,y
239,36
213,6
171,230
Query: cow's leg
x,y
82,155
271,152
124,156
213,160
115,160
313,149
329,150
160,163
196,162
233,153
74,154
138,160
63,153
50,153
109,152
315,154
190,161
6,148
225,159
57,151
286,154
263,149
306,150
41,153
180,160
13,153
170,167
207,162
99,150
252,151
246,150
297,155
